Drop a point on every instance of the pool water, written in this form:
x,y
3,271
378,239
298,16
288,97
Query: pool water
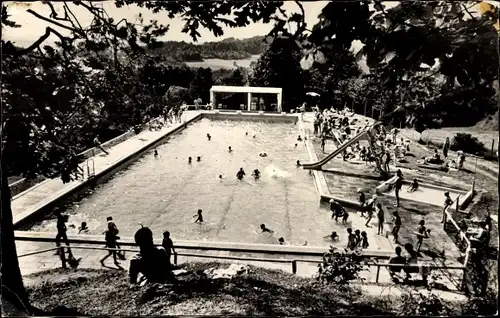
x,y
164,193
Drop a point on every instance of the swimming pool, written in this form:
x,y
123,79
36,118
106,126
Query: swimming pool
x,y
165,192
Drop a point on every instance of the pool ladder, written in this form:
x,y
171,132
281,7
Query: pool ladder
x,y
90,168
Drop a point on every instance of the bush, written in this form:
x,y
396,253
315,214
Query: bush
x,y
341,267
486,305
423,303
468,144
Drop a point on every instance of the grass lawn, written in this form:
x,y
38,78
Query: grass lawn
x,y
261,292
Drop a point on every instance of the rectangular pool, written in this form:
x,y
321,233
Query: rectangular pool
x,y
165,192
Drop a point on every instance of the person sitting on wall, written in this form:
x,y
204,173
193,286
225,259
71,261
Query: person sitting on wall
x,y
397,262
480,239
152,262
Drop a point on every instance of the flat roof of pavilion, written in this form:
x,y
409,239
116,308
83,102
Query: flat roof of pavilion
x,y
246,89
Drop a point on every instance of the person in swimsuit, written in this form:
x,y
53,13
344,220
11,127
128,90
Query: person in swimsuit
x,y
168,245
299,138
265,229
209,137
83,228
414,186
190,160
156,153
199,216
422,233
281,241
240,174
398,184
364,240
396,220
334,236
256,174
198,158
111,238
229,149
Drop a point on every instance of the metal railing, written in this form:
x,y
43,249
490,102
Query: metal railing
x,y
415,268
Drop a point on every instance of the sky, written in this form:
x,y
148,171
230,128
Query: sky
x,y
32,28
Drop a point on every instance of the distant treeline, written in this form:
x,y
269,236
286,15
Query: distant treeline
x,y
227,49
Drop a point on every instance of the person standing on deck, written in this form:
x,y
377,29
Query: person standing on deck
x,y
398,185
61,232
97,144
447,203
380,218
168,245
396,220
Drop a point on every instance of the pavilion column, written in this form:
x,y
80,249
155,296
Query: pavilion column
x,y
212,99
249,101
279,102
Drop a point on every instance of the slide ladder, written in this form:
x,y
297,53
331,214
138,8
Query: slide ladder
x,y
339,150
90,168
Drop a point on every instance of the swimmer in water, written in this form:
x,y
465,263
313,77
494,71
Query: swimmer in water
x,y
199,216
281,241
209,137
296,145
256,174
265,229
229,149
220,176
299,138
263,154
190,160
240,174
246,134
156,153
198,158
253,136
83,228
334,236
298,163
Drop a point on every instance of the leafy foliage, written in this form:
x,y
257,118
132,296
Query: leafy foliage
x,y
226,49
341,267
279,66
467,143
423,303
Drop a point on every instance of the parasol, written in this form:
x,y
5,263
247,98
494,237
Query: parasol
x,y
312,94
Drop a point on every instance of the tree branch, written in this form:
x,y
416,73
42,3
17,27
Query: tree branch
x,y
54,22
37,43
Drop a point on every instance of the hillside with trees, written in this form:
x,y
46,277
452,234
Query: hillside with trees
x,y
227,49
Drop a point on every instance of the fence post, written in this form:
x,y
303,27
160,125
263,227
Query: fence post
x,y
378,271
492,147
445,219
175,258
294,266
458,205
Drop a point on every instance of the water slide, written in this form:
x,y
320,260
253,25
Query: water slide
x,y
339,150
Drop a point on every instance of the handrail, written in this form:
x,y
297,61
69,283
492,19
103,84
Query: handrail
x,y
293,262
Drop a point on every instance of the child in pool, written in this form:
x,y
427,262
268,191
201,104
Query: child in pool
x,y
83,228
265,229
240,174
281,241
199,216
156,153
256,174
229,149
299,138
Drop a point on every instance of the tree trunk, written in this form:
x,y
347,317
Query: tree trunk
x,y
12,282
